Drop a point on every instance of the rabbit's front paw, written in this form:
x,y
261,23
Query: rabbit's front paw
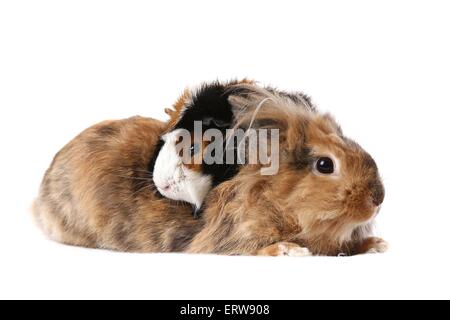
x,y
286,249
376,245
297,252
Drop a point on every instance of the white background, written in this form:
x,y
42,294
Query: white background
x,y
381,67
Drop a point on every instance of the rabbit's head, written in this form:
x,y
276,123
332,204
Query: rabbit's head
x,y
326,183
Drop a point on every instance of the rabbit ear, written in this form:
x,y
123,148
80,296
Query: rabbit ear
x,y
266,111
242,108
238,103
256,112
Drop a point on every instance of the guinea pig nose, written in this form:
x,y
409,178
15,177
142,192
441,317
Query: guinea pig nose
x,y
166,187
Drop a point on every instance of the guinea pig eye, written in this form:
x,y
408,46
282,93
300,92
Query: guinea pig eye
x,y
195,148
325,165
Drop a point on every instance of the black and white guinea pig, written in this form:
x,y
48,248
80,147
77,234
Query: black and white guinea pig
x,y
191,182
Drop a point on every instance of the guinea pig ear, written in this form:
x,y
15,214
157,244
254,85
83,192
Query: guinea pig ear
x,y
214,122
169,112
176,111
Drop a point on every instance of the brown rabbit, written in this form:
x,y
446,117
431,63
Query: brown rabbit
x,y
99,191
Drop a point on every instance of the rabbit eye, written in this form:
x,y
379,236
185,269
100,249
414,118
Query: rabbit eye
x,y
195,148
325,165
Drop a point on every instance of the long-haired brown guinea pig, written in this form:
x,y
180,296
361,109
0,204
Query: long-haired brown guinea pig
x,y
99,192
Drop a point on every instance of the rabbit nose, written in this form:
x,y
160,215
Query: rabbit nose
x,y
377,194
377,201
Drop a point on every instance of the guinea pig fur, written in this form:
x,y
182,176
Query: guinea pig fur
x,y
191,182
